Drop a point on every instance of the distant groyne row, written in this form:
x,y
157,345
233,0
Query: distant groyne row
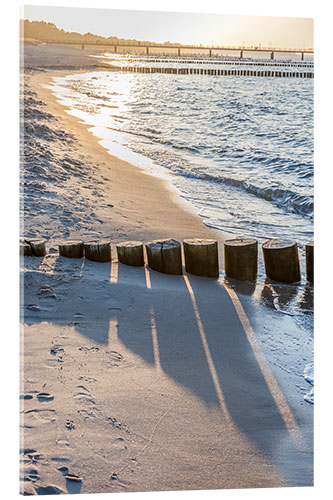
x,y
225,61
217,72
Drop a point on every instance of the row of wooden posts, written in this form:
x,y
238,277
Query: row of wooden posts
x,y
200,255
228,62
221,72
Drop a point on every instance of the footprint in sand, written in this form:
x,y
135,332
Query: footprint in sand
x,y
27,492
26,396
88,415
114,358
69,475
82,387
119,444
33,307
69,424
47,292
64,470
89,380
32,457
52,363
44,397
123,484
62,442
43,416
83,395
85,348
56,349
62,438
30,475
58,352
73,477
117,425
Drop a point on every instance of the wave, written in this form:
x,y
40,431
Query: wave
x,y
289,200
280,164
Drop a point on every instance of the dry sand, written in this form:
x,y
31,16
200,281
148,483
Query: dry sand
x,y
133,380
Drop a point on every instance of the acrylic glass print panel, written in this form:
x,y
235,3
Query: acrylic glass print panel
x,y
166,251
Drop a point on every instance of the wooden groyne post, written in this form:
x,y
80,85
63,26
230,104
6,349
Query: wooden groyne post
x,y
98,250
38,246
281,260
241,259
201,257
130,253
165,256
73,249
25,249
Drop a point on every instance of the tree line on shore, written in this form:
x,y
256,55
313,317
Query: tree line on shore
x,y
43,31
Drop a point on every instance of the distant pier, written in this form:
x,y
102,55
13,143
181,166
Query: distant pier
x,y
210,51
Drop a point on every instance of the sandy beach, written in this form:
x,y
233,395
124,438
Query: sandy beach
x,y
134,380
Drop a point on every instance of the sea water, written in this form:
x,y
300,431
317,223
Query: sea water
x,y
239,148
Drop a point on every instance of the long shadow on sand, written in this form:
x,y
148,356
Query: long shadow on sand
x,y
188,325
213,354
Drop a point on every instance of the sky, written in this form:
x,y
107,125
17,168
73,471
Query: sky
x,y
186,28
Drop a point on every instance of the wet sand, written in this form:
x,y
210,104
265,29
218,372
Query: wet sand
x,y
134,380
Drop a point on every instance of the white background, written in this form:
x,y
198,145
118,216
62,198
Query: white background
x,y
9,326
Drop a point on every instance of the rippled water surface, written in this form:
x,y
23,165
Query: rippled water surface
x,y
239,148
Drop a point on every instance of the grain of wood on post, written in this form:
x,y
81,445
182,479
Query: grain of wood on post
x,y
241,259
165,256
38,246
309,261
281,260
98,250
72,249
130,253
201,257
